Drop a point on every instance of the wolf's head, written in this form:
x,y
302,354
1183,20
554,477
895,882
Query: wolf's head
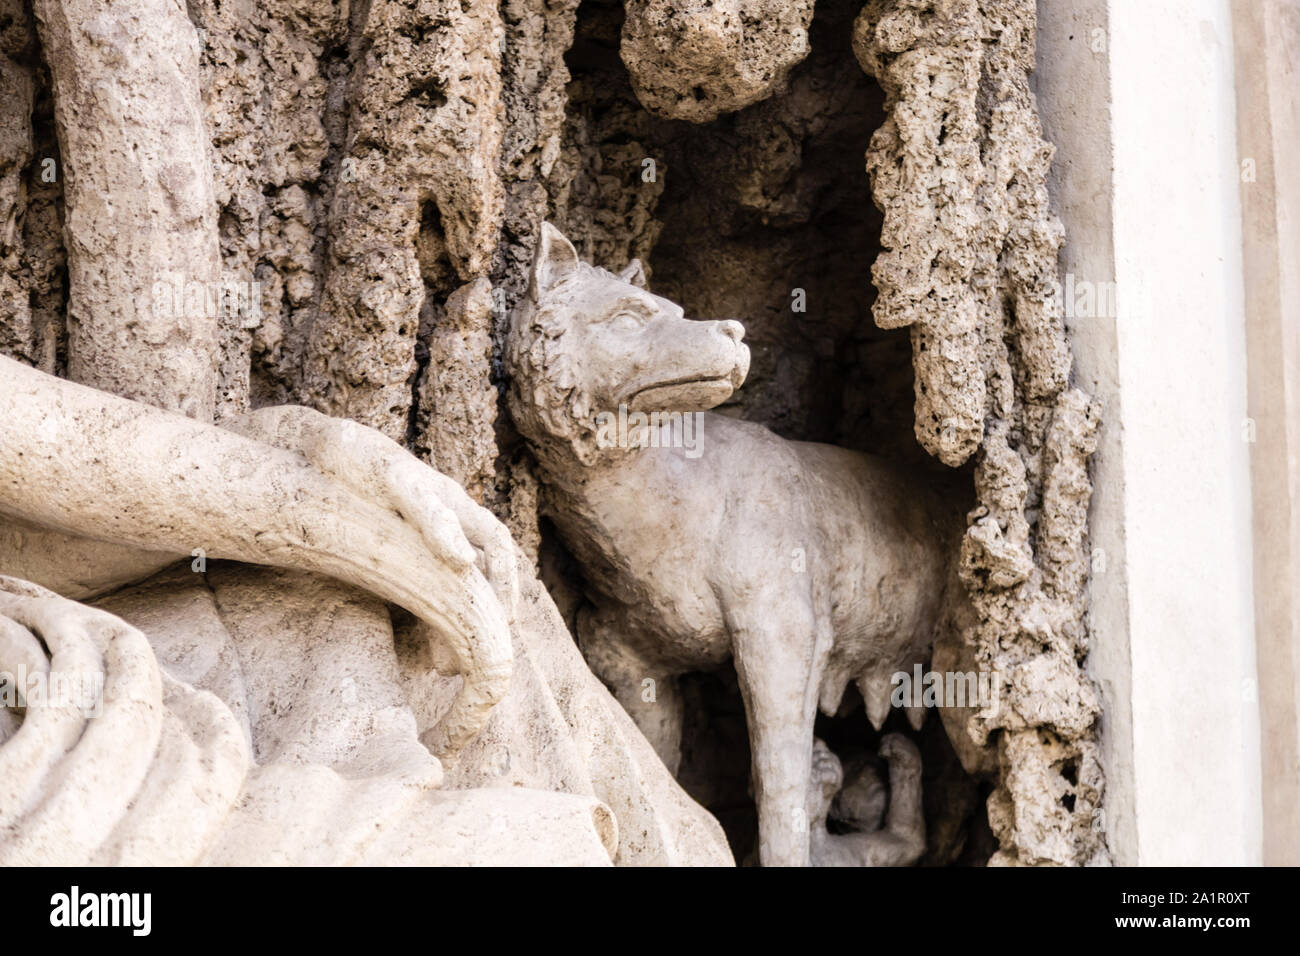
x,y
585,341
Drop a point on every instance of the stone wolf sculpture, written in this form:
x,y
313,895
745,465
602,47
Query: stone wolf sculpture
x,y
810,565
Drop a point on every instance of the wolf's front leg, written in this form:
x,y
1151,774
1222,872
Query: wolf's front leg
x,y
776,662
645,688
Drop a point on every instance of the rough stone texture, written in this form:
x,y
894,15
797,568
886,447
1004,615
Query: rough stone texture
x,y
266,71
358,165
969,264
361,202
695,60
456,399
370,131
741,214
137,218
21,333
425,126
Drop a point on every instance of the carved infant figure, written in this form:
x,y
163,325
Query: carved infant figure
x,y
878,836
809,565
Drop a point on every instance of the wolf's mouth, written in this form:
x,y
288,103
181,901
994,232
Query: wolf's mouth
x,y
695,392
690,394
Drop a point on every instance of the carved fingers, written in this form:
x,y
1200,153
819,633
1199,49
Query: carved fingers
x,y
409,487
824,782
494,549
452,524
455,529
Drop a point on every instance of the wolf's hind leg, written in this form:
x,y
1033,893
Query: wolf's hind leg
x,y
647,690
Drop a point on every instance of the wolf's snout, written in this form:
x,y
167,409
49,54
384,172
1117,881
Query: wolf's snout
x,y
732,329
736,332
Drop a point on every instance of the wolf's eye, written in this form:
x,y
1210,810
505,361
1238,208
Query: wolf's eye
x,y
625,321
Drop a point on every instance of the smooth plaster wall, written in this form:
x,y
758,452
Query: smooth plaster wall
x,y
1148,193
1182,371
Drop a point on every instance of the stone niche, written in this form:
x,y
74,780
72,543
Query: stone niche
x,y
388,200
763,215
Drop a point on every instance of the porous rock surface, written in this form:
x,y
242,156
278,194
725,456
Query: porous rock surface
x,y
248,754
373,165
968,263
696,59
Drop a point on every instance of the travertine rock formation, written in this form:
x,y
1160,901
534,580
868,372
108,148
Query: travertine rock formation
x,y
694,60
424,127
456,399
378,174
314,741
32,259
969,265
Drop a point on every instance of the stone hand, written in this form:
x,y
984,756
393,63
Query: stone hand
x,y
376,468
824,783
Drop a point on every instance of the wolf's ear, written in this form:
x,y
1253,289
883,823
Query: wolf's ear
x,y
634,273
555,258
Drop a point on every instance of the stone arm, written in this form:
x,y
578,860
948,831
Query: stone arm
x,y
86,463
73,565
360,458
